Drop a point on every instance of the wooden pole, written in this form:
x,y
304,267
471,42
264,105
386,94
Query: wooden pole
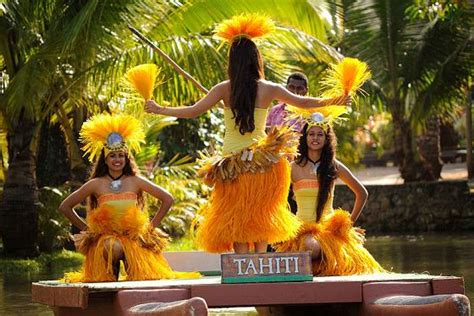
x,y
169,60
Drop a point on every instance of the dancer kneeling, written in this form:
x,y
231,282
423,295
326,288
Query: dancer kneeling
x,y
117,227
248,206
336,246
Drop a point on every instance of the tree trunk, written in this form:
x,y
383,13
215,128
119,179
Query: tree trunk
x,y
407,164
19,208
53,164
78,168
429,149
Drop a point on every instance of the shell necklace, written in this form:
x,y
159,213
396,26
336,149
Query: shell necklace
x,y
314,169
116,184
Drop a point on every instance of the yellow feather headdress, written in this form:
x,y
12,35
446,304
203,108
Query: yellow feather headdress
x,y
324,116
245,25
346,77
113,132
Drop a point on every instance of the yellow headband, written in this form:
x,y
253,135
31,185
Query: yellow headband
x,y
318,119
114,148
245,25
323,117
111,132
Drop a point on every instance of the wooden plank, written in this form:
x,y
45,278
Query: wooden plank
x,y
72,297
266,267
67,296
334,289
183,283
451,285
42,294
255,294
372,291
194,261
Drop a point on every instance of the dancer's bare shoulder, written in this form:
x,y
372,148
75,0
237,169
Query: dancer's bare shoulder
x,y
266,92
297,172
223,89
267,86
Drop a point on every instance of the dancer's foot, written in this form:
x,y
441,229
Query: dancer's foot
x,y
241,247
261,247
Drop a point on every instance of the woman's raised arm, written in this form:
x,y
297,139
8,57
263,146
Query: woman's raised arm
x,y
285,96
215,95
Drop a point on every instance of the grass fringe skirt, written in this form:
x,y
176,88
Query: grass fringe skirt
x,y
142,245
342,246
251,208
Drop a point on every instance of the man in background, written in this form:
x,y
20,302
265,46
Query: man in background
x,y
296,83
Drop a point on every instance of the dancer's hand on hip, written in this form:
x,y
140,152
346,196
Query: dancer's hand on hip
x,y
79,239
152,107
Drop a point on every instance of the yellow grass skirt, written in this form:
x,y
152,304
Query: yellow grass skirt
x,y
342,246
142,245
251,208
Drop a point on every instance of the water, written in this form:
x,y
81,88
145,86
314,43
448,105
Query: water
x,y
436,254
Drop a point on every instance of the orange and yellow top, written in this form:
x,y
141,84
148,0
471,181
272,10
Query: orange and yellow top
x,y
306,194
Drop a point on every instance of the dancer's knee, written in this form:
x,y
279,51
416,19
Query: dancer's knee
x,y
117,249
311,244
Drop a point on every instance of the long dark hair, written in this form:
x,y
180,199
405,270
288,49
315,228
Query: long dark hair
x,y
327,170
100,169
244,71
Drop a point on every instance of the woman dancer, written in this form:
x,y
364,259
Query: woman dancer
x,y
247,208
336,246
117,227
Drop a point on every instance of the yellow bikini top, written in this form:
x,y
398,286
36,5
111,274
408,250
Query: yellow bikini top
x,y
233,140
120,202
306,194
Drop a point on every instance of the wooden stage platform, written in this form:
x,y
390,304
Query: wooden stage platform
x,y
361,291
97,298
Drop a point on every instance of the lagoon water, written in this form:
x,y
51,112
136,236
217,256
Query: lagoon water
x,y
437,254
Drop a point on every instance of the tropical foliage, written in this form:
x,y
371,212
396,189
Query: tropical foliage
x,y
62,60
422,61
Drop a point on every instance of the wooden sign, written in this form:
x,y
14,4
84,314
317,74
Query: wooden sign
x,y
266,267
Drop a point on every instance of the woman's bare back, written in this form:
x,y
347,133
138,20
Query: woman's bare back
x,y
265,93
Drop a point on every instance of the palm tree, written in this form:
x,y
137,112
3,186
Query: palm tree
x,y
421,65
45,61
58,57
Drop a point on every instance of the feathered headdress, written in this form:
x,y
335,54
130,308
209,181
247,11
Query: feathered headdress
x,y
142,78
323,117
113,132
345,77
245,25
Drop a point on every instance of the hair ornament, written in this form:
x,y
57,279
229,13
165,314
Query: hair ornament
x,y
324,116
111,132
251,25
